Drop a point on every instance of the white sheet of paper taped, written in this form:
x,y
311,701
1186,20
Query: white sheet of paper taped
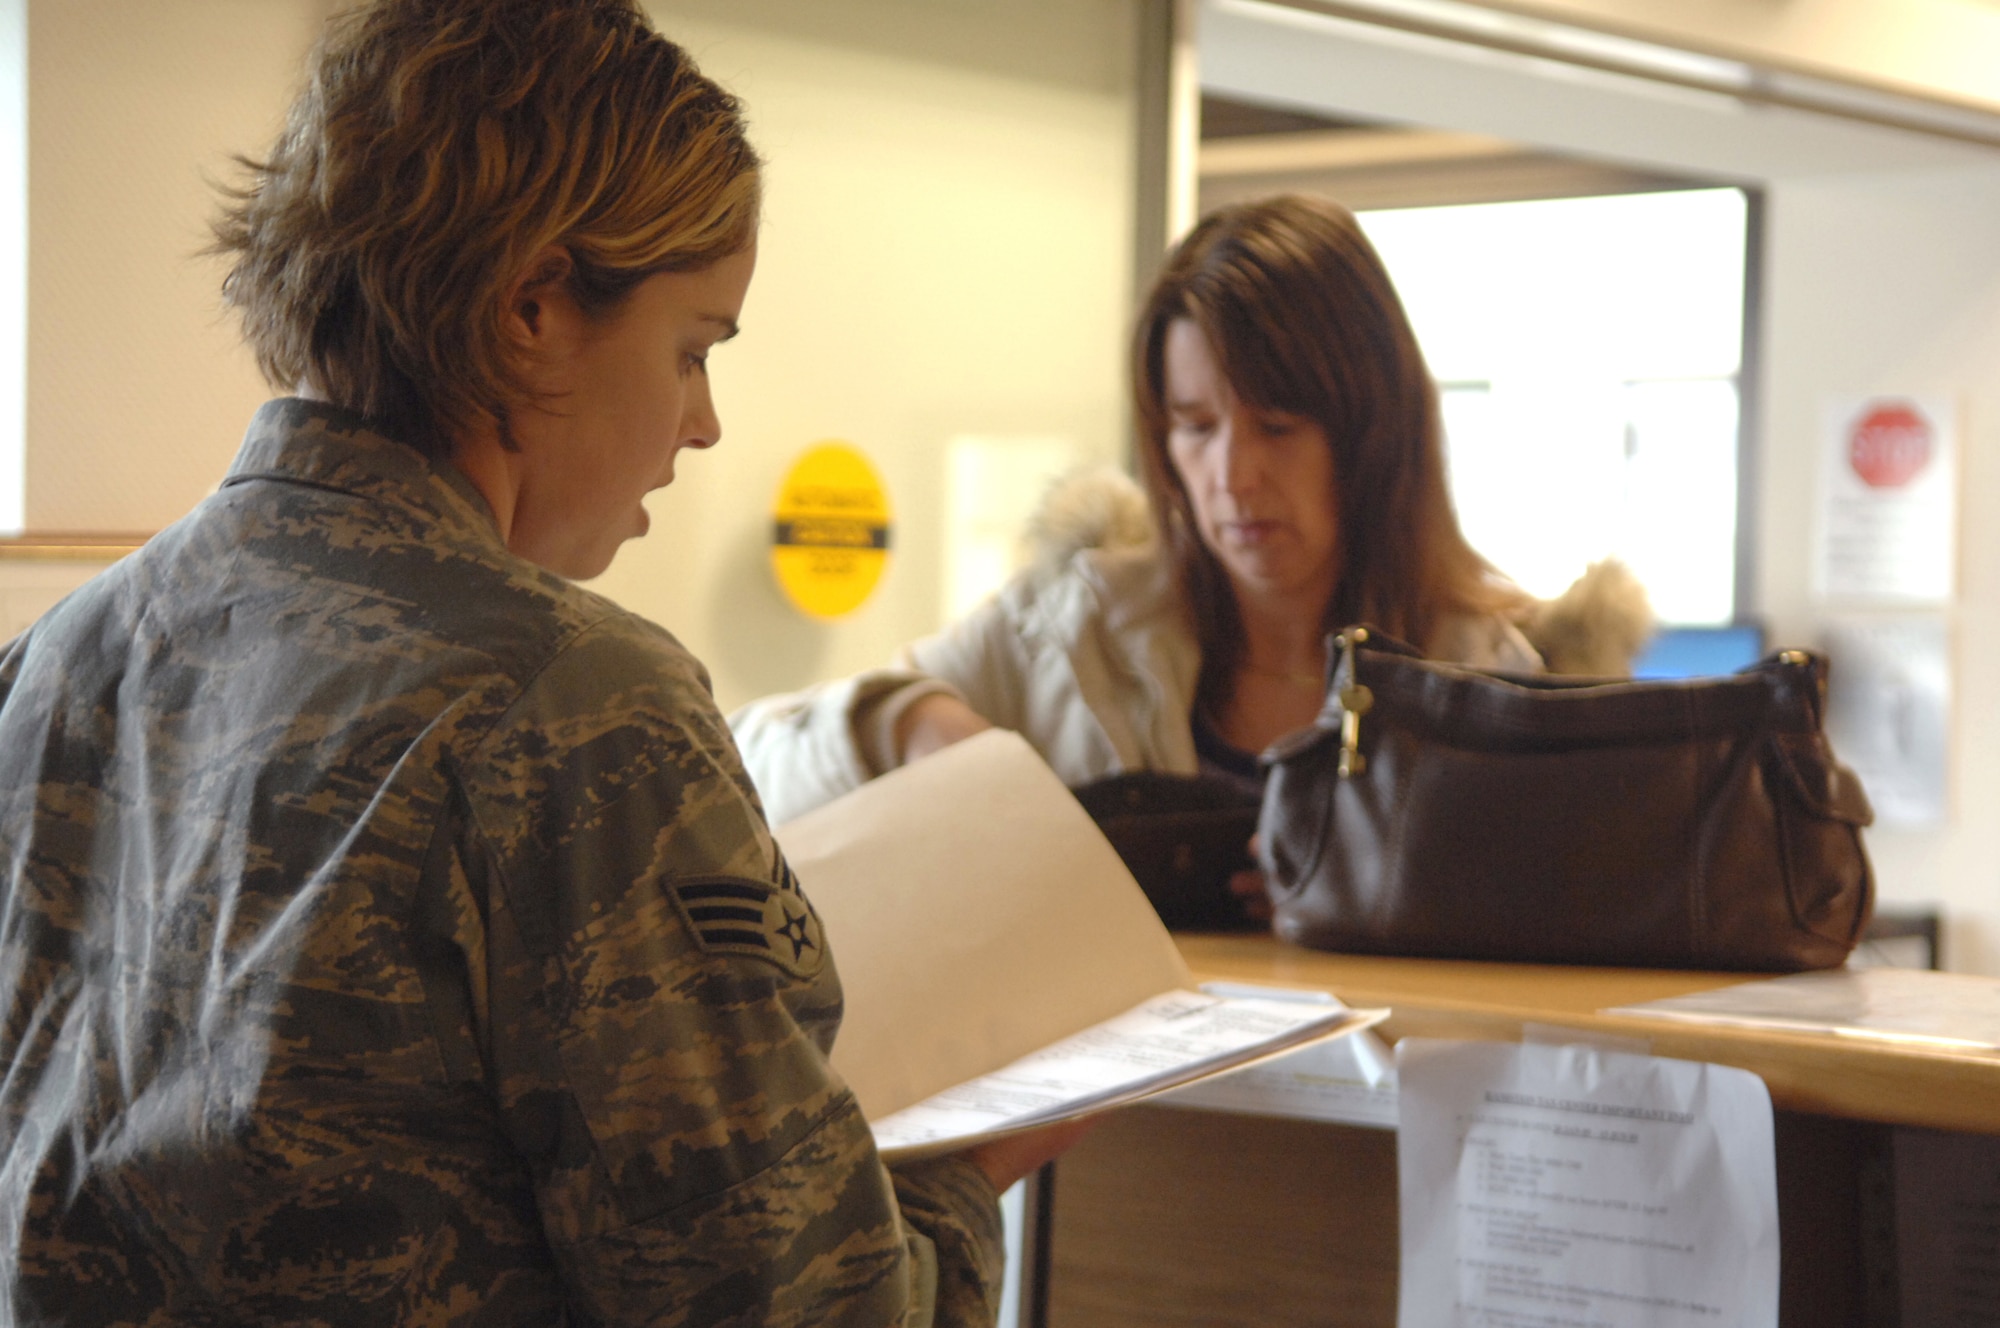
x,y
1549,1186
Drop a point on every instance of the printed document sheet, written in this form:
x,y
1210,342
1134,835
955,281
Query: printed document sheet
x,y
1554,1186
1164,1041
1345,1081
991,943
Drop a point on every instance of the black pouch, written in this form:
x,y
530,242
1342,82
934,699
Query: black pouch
x,y
1182,837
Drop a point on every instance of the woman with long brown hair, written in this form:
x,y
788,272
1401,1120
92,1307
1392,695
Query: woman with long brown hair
x,y
1292,447
1293,457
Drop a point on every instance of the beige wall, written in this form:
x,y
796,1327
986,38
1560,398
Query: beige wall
x,y
13,258
29,588
946,250
137,390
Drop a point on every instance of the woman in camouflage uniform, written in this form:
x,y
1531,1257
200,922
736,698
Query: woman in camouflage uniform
x,y
390,933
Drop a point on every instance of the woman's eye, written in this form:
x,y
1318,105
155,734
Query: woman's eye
x,y
694,364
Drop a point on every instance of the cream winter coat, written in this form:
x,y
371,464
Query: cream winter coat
x,y
1087,654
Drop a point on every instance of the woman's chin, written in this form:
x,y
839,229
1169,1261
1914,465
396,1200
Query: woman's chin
x,y
1258,568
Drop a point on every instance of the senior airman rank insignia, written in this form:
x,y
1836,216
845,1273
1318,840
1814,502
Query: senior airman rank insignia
x,y
733,915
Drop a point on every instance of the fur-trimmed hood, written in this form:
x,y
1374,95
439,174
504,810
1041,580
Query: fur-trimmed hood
x,y
1090,507
1596,627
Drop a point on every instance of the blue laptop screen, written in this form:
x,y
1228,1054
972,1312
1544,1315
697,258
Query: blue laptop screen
x,y
1699,652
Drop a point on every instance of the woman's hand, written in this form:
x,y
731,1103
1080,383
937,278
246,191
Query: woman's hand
x,y
1248,886
935,722
1018,1155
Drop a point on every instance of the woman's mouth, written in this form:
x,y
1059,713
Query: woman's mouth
x,y
1250,533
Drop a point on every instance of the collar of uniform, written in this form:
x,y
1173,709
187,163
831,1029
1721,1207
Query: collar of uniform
x,y
315,442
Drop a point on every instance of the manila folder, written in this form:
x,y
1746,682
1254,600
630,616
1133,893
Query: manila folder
x,y
976,915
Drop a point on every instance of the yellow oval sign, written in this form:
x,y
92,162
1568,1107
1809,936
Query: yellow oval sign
x,y
830,531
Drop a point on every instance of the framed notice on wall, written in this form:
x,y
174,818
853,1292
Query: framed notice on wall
x,y
1888,511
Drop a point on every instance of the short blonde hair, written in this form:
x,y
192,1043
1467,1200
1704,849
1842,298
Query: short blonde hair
x,y
437,147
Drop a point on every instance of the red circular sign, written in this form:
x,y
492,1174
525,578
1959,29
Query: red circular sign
x,y
1889,446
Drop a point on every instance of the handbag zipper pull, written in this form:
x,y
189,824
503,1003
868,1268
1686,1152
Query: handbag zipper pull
x,y
1355,701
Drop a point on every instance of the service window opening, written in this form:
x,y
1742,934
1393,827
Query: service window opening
x,y
1588,353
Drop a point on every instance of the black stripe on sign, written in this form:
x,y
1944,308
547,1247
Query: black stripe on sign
x,y
734,936
786,534
725,913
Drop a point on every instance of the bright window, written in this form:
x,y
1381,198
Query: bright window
x,y
1588,351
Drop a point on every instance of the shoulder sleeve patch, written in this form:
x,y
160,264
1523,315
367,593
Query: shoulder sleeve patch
x,y
761,919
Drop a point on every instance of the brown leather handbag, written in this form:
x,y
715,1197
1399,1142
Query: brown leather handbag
x,y
1438,810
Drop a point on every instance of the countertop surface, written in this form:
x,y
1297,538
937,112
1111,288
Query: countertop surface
x,y
1855,1078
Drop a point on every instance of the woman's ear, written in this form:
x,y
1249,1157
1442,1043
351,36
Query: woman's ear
x,y
539,298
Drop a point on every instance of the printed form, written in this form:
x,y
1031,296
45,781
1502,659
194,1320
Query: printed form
x,y
1574,1187
1168,1039
1347,1081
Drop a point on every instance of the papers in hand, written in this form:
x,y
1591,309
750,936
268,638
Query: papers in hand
x,y
1349,1080
1169,1040
1912,1007
981,924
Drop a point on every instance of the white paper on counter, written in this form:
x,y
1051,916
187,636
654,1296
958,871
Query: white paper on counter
x,y
1164,1041
1545,1187
1348,1080
1908,1006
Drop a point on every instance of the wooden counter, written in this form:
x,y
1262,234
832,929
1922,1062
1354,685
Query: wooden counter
x,y
1850,1078
1172,1218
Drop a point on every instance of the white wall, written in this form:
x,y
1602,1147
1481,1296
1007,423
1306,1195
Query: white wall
x,y
1892,284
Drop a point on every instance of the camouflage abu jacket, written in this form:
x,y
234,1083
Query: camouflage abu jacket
x,y
391,936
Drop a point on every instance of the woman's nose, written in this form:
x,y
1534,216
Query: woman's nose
x,y
700,425
1237,457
